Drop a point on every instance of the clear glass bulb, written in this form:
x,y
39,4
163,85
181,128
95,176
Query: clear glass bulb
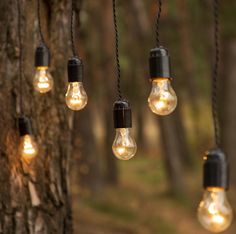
x,y
214,212
43,81
28,147
162,99
76,97
124,146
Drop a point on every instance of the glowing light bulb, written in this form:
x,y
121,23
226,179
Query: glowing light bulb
x,y
162,99
124,146
76,97
214,211
43,81
28,147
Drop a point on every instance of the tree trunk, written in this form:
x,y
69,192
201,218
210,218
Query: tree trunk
x,y
34,197
109,80
85,150
173,150
229,104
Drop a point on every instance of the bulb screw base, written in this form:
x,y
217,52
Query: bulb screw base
x,y
216,170
159,63
42,56
25,127
75,70
122,114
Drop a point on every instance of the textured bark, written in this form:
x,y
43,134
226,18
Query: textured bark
x,y
34,198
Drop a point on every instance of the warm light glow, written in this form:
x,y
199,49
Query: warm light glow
x,y
28,147
162,99
76,97
43,81
124,146
214,212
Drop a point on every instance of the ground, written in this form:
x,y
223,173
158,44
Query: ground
x,y
141,204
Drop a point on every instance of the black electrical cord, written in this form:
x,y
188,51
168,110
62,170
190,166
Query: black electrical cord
x,y
39,22
21,72
72,28
215,75
117,52
158,23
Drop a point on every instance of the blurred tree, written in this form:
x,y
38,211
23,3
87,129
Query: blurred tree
x,y
107,51
34,198
85,152
229,103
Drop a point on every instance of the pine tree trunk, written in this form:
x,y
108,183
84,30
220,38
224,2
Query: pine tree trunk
x,y
34,198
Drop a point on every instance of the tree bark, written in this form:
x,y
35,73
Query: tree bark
x,y
34,197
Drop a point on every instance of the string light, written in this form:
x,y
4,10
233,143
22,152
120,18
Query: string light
x,y
28,148
162,99
124,146
214,211
76,97
43,81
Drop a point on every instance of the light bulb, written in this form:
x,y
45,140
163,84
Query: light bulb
x,y
43,81
76,97
214,211
124,146
162,99
28,147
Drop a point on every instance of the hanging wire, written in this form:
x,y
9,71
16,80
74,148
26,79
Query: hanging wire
x,y
72,28
21,72
39,22
158,23
117,52
215,108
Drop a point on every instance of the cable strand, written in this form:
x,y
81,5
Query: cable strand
x,y
39,22
158,23
21,72
72,28
215,109
119,93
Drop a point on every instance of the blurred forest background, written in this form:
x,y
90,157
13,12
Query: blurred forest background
x,y
157,191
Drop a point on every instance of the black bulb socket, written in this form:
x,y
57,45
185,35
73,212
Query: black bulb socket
x,y
42,56
75,70
159,63
122,114
25,127
215,170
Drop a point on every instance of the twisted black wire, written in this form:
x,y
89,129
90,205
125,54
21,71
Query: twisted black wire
x,y
158,23
117,52
21,72
39,22
72,28
215,75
